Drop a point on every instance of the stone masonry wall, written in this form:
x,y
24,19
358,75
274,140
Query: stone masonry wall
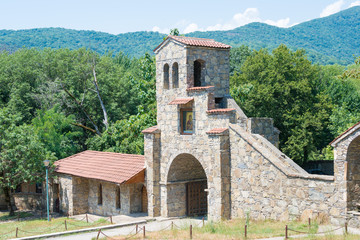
x,y
260,188
66,194
80,195
216,72
264,127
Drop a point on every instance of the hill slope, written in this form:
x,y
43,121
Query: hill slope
x,y
333,39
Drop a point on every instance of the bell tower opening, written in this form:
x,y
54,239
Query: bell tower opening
x,y
198,72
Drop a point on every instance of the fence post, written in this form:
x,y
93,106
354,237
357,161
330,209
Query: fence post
x,y
172,225
245,231
144,232
87,220
68,215
137,227
346,228
17,230
18,217
111,219
190,231
65,225
309,224
203,221
286,232
98,234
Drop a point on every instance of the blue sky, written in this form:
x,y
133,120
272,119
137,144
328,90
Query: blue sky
x,y
187,15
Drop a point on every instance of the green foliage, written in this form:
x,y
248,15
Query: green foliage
x,y
282,85
125,135
57,132
238,57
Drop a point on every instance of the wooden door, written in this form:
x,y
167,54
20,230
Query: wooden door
x,y
196,198
144,200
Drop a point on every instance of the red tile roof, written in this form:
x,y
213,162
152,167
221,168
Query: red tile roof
x,y
344,133
199,88
106,166
216,131
220,110
150,129
178,101
199,42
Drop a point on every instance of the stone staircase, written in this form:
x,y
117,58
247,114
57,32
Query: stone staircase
x,y
270,152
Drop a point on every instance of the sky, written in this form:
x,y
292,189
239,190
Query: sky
x,y
118,16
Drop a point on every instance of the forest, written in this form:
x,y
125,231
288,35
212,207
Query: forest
x,y
329,40
57,102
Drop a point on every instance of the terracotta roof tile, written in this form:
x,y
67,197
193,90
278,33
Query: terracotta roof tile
x,y
216,131
220,110
199,88
344,133
178,101
106,166
199,42
152,129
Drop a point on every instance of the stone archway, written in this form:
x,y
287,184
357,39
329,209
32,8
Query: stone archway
x,y
353,174
186,187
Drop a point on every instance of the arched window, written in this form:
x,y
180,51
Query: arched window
x,y
166,76
199,65
175,75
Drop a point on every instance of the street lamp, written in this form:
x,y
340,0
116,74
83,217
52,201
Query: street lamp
x,y
46,163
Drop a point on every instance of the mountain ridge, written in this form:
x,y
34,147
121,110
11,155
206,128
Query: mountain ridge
x,y
328,40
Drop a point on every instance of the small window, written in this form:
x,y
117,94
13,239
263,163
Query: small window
x,y
100,197
38,187
166,76
118,197
219,103
175,75
186,121
197,73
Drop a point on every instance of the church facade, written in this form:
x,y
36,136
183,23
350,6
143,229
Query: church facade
x,y
206,157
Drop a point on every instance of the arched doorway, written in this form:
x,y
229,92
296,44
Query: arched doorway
x,y
186,187
144,200
353,174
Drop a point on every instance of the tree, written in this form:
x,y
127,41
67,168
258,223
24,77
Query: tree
x,y
238,57
57,132
282,85
21,155
175,32
125,135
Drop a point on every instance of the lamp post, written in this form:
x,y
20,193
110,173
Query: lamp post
x,y
46,163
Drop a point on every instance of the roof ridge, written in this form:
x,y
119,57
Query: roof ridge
x,y
195,38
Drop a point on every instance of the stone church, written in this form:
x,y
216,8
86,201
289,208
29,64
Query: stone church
x,y
206,157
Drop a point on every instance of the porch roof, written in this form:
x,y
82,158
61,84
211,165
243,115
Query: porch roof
x,y
106,166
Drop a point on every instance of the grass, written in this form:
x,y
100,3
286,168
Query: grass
x,y
4,216
232,229
37,227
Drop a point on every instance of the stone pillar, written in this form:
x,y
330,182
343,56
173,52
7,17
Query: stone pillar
x,y
219,180
340,175
225,176
152,163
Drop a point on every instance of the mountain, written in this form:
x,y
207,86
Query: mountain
x,y
328,40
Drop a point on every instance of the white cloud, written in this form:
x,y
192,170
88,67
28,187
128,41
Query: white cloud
x,y
160,30
332,8
192,27
284,23
353,4
240,19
